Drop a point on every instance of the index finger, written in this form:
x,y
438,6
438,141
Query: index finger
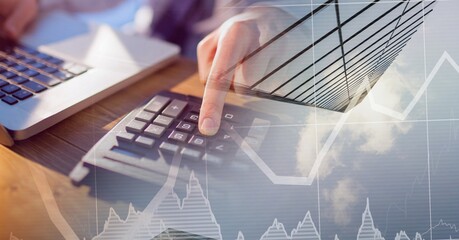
x,y
230,49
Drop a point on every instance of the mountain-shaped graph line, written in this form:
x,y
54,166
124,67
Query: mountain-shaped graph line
x,y
365,85
161,194
442,223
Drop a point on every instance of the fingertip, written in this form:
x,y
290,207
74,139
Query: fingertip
x,y
209,126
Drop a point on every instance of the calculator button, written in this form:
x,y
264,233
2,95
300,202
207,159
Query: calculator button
x,y
225,137
163,120
145,116
259,128
154,131
212,159
157,104
197,141
192,117
175,108
222,147
169,147
231,116
125,136
145,142
178,136
136,126
186,127
191,153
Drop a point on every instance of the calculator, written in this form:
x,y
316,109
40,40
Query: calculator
x,y
143,144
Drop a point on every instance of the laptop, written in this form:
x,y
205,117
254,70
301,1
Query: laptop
x,y
43,81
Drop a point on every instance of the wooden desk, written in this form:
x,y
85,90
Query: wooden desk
x,y
35,193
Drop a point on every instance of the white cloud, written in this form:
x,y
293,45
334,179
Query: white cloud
x,y
343,198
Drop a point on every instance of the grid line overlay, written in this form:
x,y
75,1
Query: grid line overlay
x,y
367,42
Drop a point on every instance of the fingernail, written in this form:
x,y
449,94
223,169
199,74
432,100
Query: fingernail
x,y
208,126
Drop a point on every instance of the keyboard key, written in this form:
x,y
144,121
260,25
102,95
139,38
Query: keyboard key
x,y
125,136
136,126
192,117
49,70
43,56
63,75
20,68
163,120
175,108
3,83
38,65
46,80
19,79
157,104
10,100
198,141
22,94
145,141
28,50
168,148
30,73
191,153
2,94
178,136
17,55
29,61
145,116
186,127
10,88
2,69
154,131
8,62
55,61
9,74
34,87
77,69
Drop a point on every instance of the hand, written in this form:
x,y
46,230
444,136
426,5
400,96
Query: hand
x,y
15,15
221,52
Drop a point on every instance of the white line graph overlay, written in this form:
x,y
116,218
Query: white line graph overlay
x,y
307,181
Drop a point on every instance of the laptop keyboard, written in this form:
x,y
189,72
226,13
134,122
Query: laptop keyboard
x,y
145,141
25,72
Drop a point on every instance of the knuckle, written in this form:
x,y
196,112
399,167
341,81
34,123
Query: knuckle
x,y
219,80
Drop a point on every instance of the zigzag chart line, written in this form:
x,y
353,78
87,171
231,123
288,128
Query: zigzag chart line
x,y
307,181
